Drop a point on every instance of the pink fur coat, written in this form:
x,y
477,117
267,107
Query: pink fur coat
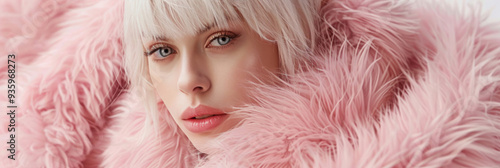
x,y
400,85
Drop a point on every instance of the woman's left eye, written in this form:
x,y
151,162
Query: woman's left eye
x,y
221,39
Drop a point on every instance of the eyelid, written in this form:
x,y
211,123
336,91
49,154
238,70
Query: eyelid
x,y
153,48
219,34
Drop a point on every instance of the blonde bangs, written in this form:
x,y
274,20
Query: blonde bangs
x,y
174,18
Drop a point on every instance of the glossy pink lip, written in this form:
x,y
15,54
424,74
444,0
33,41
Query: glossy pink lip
x,y
215,118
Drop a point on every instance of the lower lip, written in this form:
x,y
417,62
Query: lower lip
x,y
203,125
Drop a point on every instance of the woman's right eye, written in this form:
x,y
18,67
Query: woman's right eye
x,y
161,51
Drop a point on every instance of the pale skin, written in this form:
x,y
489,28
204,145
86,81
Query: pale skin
x,y
212,68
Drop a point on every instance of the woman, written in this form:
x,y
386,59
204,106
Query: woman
x,y
201,56
291,83
344,73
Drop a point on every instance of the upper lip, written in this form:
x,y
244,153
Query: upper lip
x,y
200,110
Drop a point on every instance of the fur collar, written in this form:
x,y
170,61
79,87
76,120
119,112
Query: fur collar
x,y
394,84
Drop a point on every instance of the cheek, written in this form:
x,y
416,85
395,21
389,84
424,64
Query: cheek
x,y
229,82
164,82
251,66
260,62
270,57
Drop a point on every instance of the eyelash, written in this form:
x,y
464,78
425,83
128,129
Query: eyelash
x,y
155,47
217,35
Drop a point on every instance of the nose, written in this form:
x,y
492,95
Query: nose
x,y
192,78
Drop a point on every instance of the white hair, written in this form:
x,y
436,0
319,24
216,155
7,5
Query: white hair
x,y
291,24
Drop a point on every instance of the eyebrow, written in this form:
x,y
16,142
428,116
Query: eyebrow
x,y
200,31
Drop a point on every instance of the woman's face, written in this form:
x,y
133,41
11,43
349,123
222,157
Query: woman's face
x,y
202,77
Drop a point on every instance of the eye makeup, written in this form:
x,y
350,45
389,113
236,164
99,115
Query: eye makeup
x,y
156,47
219,40
221,34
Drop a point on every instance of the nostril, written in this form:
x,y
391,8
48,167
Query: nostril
x,y
197,88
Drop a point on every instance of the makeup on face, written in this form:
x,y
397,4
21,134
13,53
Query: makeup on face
x,y
201,78
202,118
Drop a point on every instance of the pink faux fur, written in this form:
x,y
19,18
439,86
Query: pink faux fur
x,y
394,84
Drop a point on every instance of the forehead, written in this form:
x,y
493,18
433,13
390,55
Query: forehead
x,y
174,18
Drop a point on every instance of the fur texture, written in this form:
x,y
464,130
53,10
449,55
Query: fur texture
x,y
394,84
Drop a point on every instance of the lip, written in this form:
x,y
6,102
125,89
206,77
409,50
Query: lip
x,y
205,124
